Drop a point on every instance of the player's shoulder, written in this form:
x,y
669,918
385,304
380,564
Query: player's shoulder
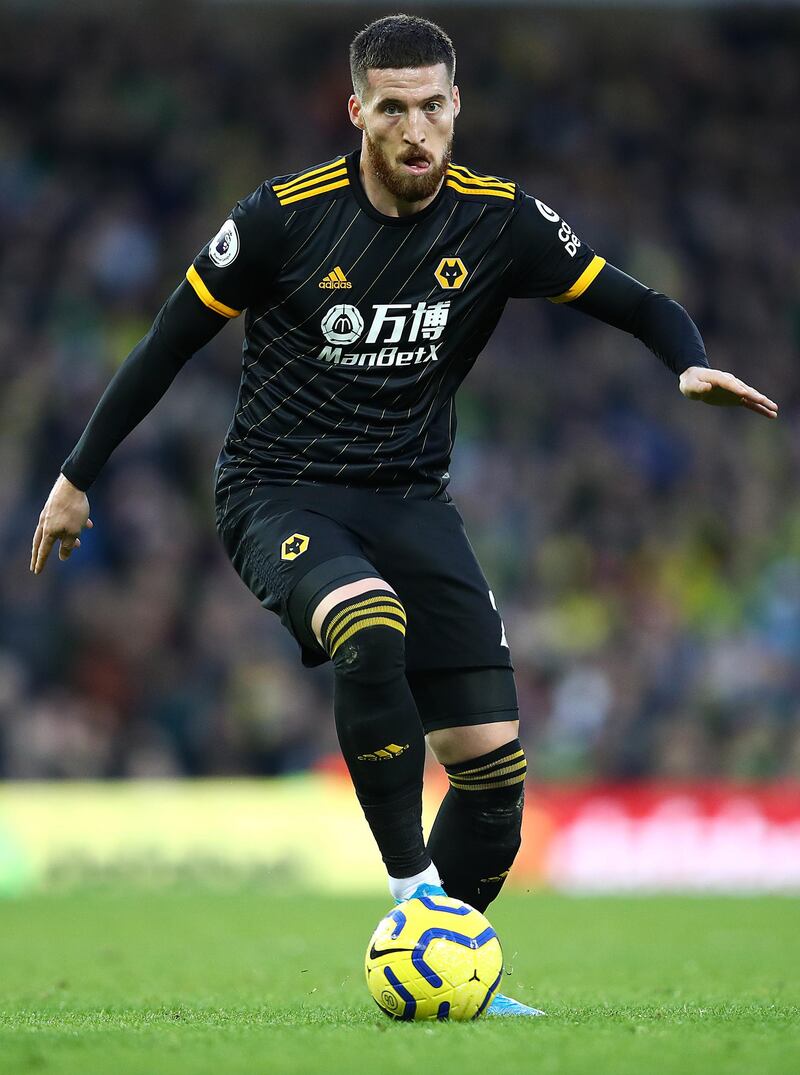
x,y
470,185
312,185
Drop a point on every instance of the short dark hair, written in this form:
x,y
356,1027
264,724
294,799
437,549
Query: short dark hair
x,y
399,41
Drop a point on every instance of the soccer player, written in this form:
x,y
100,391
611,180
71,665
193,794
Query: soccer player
x,y
371,283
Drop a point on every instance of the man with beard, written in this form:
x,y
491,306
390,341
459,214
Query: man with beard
x,y
371,284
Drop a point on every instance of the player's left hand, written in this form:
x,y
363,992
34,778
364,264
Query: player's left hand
x,y
724,390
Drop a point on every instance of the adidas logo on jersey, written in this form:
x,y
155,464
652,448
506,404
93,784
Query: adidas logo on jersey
x,y
335,279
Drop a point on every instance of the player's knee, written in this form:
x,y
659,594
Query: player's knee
x,y
492,790
365,637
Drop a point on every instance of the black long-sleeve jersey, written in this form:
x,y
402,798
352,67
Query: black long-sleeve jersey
x,y
361,326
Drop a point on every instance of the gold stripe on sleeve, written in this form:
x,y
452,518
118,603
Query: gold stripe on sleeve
x,y
583,281
205,296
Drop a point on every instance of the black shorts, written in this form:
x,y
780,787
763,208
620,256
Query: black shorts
x,y
292,545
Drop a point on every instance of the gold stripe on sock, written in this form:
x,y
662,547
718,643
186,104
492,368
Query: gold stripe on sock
x,y
498,761
375,599
494,784
377,621
480,781
333,636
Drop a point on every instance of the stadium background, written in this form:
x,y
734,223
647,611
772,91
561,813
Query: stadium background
x,y
644,550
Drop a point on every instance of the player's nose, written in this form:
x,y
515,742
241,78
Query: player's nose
x,y
414,134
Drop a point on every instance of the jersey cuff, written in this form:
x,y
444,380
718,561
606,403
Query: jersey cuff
x,y
583,281
205,296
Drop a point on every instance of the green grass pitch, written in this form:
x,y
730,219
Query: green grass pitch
x,y
191,980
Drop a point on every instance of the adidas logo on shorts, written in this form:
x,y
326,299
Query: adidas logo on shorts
x,y
335,279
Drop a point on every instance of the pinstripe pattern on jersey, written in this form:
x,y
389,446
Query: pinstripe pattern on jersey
x,y
317,268
434,288
463,320
315,410
299,423
314,312
329,399
360,299
394,298
432,291
280,403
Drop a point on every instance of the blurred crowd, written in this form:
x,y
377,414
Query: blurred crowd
x,y
644,550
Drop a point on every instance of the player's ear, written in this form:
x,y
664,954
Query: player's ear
x,y
354,111
456,101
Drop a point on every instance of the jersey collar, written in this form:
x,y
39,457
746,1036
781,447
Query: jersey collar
x,y
353,163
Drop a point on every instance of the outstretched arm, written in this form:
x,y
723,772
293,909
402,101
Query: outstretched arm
x,y
183,326
550,261
665,327
236,266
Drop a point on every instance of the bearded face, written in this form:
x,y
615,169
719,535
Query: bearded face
x,y
414,176
407,117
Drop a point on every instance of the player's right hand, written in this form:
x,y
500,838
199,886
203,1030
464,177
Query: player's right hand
x,y
64,515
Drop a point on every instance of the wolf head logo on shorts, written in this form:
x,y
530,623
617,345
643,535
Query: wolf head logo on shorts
x,y
294,546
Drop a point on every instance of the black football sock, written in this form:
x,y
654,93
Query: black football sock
x,y
476,835
378,725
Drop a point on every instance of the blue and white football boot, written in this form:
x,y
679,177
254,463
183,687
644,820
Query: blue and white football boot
x,y
425,890
502,1006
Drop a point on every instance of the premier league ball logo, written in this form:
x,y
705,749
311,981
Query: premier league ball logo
x,y
342,324
224,247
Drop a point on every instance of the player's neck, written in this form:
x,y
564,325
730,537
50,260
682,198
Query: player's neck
x,y
382,199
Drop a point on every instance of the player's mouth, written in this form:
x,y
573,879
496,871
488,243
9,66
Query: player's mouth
x,y
417,165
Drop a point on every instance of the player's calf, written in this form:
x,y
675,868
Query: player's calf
x,y
477,832
378,726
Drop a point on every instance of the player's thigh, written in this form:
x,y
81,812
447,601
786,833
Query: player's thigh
x,y
454,745
466,712
292,559
421,547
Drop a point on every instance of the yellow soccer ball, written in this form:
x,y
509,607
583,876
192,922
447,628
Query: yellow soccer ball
x,y
433,957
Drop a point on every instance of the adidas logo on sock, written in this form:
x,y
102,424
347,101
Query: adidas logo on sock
x,y
335,279
385,754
